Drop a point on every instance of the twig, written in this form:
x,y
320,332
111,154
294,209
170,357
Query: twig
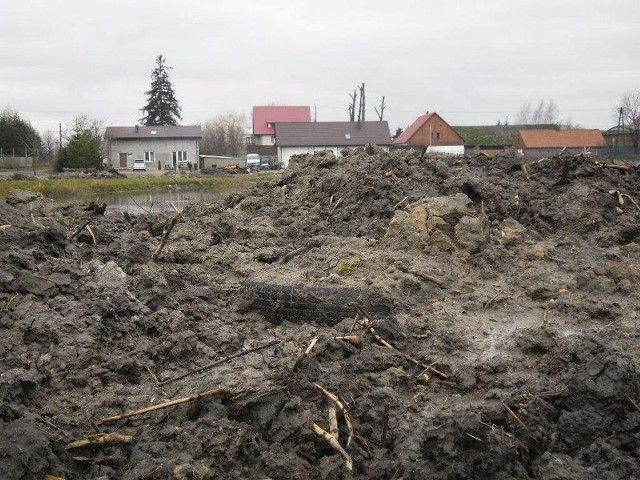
x,y
153,375
423,276
516,418
400,202
165,237
493,299
293,253
334,444
333,422
170,403
221,361
367,323
92,235
11,299
304,354
631,200
345,412
100,440
474,437
634,403
79,229
525,170
338,203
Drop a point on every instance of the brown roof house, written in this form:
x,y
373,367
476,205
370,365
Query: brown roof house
x,y
540,143
295,138
167,146
431,131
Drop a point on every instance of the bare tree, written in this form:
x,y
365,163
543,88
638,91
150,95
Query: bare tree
x,y
629,110
49,145
352,106
223,135
545,113
381,111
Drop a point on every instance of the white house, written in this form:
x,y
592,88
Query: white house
x,y
308,137
158,146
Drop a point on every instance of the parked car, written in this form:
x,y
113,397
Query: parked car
x,y
138,164
253,161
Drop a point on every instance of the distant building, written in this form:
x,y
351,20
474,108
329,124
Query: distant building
x,y
167,146
620,140
308,137
431,131
492,139
541,143
263,138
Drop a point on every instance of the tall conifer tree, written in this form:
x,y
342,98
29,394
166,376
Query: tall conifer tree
x,y
162,108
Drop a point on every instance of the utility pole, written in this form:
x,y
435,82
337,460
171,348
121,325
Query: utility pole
x,y
60,139
315,113
620,132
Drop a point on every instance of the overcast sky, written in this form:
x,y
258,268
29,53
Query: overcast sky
x,y
472,61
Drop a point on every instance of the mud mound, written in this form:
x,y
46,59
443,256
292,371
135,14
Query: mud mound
x,y
495,337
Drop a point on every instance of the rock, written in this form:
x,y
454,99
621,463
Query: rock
x,y
511,232
469,232
16,197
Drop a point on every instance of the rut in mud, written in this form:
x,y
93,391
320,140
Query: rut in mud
x,y
502,300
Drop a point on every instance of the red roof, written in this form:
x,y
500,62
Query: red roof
x,y
413,128
264,118
579,138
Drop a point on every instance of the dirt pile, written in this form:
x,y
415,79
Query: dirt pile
x,y
498,334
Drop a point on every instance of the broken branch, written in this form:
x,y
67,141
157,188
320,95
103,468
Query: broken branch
x,y
304,354
516,418
334,444
100,440
347,416
333,422
165,237
221,361
170,403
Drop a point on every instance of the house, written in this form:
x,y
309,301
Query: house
x,y
294,138
540,143
431,131
492,139
159,146
264,120
621,140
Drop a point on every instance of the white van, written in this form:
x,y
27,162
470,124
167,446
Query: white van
x,y
253,161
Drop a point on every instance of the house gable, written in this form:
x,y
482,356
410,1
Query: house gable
x,y
430,130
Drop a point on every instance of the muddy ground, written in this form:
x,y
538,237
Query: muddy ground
x,y
504,302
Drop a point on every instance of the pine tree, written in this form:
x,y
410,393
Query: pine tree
x,y
162,108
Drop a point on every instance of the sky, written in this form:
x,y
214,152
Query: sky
x,y
475,62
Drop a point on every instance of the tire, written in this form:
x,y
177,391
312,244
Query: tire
x,y
326,305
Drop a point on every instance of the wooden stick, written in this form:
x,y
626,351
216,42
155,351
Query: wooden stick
x,y
79,229
338,203
293,253
345,412
516,418
334,444
632,200
221,361
333,422
400,202
100,440
165,237
431,368
304,354
634,403
474,437
170,403
423,276
92,235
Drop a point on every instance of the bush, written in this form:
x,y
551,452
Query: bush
x,y
82,152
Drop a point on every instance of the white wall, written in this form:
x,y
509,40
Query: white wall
x,y
163,149
446,149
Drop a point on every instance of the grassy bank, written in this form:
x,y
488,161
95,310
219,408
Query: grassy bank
x,y
87,187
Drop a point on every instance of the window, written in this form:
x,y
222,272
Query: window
x,y
149,157
437,135
250,140
179,157
273,139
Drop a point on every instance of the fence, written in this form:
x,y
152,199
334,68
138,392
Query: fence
x,y
19,157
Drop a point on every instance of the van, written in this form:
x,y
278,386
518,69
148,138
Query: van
x,y
253,161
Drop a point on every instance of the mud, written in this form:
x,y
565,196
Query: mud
x,y
519,285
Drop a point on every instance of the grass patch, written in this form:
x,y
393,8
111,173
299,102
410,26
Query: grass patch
x,y
347,268
89,187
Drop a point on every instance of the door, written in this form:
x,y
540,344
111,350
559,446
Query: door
x,y
123,160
